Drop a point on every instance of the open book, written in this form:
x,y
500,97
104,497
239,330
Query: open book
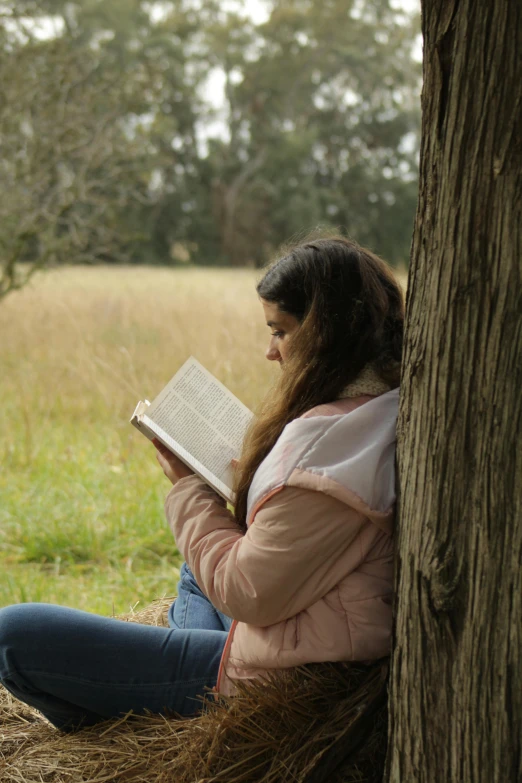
x,y
200,421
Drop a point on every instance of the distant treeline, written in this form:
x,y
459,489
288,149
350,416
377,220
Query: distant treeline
x,y
174,132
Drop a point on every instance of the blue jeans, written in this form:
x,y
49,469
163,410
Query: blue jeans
x,y
79,668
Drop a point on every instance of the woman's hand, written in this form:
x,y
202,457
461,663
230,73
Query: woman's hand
x,y
173,468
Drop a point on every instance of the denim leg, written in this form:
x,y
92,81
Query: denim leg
x,y
78,668
192,609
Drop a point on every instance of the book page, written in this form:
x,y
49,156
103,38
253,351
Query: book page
x,y
203,417
151,430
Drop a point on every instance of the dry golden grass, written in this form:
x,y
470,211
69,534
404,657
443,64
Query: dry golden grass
x,y
105,336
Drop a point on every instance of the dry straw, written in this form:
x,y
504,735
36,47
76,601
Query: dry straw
x,y
321,722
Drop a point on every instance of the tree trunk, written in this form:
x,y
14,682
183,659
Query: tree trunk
x,y
456,682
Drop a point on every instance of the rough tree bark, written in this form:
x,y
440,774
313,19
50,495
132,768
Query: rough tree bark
x,y
456,683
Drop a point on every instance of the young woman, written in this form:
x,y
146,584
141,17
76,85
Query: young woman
x,y
302,572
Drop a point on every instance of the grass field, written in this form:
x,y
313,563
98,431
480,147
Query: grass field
x,y
81,494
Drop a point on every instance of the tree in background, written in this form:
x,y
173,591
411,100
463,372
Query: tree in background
x,y
456,689
58,175
115,152
75,135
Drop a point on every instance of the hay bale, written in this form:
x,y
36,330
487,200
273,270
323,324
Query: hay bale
x,y
154,614
314,723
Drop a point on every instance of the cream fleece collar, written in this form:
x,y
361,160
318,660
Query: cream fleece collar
x,y
367,382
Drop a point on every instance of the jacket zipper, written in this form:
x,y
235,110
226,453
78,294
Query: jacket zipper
x,y
226,649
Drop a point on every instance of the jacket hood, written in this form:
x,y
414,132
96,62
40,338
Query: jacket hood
x,y
348,455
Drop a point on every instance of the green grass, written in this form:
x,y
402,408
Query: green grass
x,y
83,526
81,518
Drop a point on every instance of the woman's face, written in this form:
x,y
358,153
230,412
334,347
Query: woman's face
x,y
282,327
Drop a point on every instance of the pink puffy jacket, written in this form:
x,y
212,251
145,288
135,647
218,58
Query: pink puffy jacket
x,y
311,580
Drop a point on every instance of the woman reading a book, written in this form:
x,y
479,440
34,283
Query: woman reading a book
x,y
302,571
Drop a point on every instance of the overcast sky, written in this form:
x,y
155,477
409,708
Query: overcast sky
x,y
257,9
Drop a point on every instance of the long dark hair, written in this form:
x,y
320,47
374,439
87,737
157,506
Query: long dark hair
x,y
351,313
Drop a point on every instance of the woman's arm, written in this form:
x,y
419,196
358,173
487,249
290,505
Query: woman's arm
x,y
299,546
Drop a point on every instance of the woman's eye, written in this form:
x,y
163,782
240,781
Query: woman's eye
x,y
277,334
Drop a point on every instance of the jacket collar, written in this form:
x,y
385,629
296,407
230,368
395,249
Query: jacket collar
x,y
367,382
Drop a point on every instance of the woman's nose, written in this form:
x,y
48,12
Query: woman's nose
x,y
272,352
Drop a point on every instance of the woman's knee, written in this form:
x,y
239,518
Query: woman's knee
x,y
24,631
14,623
187,581
23,624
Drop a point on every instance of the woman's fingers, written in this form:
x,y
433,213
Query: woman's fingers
x,y
172,466
160,447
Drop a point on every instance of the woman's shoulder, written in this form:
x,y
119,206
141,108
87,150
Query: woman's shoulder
x,y
338,407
